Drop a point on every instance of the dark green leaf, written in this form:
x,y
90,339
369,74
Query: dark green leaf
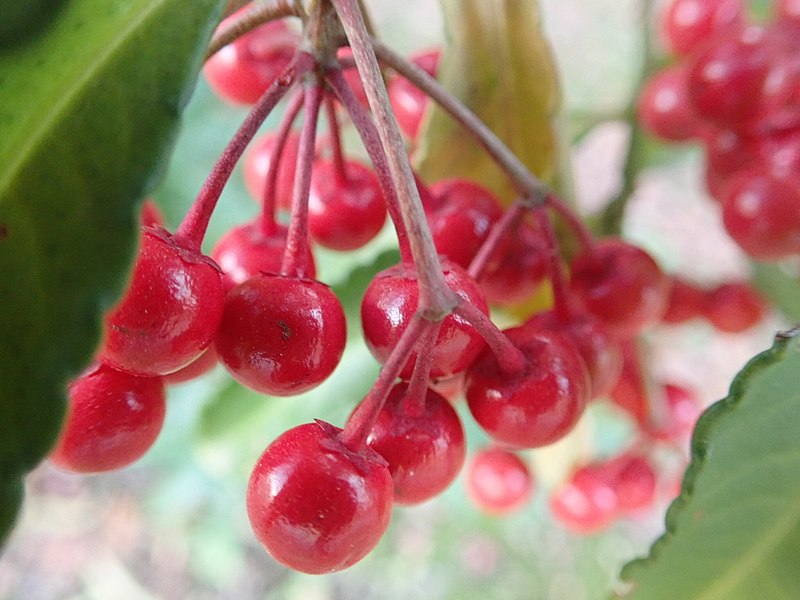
x,y
781,286
734,532
88,110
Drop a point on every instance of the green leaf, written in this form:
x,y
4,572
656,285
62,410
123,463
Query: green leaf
x,y
498,62
734,532
781,286
88,110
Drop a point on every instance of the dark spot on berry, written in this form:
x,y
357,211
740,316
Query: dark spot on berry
x,y
286,331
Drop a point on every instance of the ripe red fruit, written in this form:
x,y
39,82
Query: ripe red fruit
x,y
727,78
728,154
498,481
536,406
680,413
243,70
664,108
587,503
621,285
735,307
633,480
463,216
408,102
686,301
390,303
423,442
344,211
281,335
170,312
762,214
788,10
112,420
150,214
199,366
687,24
246,251
315,505
601,354
517,268
256,167
630,392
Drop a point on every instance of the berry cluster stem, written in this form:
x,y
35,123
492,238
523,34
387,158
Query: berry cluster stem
x,y
257,14
194,225
563,303
336,140
500,231
297,238
435,297
510,358
414,401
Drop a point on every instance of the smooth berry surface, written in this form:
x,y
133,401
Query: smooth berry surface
x,y
587,503
170,312
243,70
198,367
634,481
316,506
600,352
246,251
464,215
677,419
112,420
686,301
688,24
536,406
281,335
408,102
762,214
390,303
735,307
498,481
256,167
621,285
345,210
518,267
664,109
630,392
422,439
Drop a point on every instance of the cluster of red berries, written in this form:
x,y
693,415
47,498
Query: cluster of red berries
x,y
735,89
320,497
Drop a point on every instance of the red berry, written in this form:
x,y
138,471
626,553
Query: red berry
x,y
687,24
256,167
664,108
498,481
729,154
352,77
621,285
246,251
735,307
281,335
243,70
600,352
634,482
536,406
199,366
315,505
170,312
587,503
788,10
423,442
678,417
150,214
463,216
762,214
630,392
518,267
390,303
345,211
686,301
408,102
112,420
727,78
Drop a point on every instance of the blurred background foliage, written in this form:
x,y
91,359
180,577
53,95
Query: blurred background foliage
x,y
174,524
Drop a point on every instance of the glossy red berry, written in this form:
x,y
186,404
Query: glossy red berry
x,y
498,481
408,102
243,70
246,251
463,216
788,10
621,285
423,442
315,505
735,307
600,352
664,109
686,301
518,267
587,503
198,367
390,303
630,392
688,24
256,167
681,409
634,482
762,214
536,406
170,312
345,210
281,335
728,155
112,420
